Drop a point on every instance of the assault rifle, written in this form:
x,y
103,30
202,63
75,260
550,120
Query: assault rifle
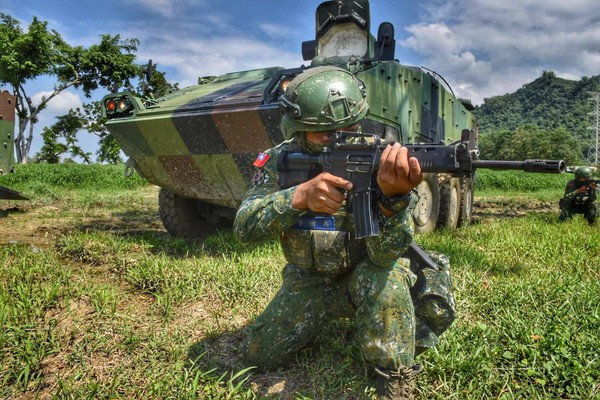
x,y
590,183
355,157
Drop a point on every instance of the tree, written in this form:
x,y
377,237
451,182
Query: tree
x,y
25,56
61,138
528,141
152,83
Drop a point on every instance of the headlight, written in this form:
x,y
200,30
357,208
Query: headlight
x,y
118,107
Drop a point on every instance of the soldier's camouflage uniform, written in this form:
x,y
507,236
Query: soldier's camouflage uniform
x,y
330,275
574,202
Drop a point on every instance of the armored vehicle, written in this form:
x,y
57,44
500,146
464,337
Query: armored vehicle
x,y
7,128
7,143
198,143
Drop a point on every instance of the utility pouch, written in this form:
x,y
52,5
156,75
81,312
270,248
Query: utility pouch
x,y
323,251
432,293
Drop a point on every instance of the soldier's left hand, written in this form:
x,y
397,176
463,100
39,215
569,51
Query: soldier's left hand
x,y
398,174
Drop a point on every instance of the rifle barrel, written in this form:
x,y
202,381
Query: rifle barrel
x,y
543,166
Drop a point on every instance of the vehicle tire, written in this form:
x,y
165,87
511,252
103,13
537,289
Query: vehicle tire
x,y
466,201
449,203
426,212
191,218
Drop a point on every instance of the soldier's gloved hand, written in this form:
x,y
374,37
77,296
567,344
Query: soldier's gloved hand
x,y
321,194
398,174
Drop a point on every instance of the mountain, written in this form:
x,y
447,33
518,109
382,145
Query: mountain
x,y
547,102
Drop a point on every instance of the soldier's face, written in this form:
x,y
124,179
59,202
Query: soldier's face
x,y
325,137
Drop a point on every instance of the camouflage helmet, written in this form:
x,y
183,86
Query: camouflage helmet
x,y
583,172
322,99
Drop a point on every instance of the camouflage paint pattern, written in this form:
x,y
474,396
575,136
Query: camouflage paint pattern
x,y
199,142
413,102
7,130
574,202
330,275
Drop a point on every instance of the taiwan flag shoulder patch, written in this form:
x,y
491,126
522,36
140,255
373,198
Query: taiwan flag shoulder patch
x,y
261,160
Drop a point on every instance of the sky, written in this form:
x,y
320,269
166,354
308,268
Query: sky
x,y
482,48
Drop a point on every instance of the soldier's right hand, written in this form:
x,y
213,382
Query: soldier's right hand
x,y
582,189
321,194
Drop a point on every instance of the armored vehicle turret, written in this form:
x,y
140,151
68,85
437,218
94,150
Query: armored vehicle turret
x,y
198,143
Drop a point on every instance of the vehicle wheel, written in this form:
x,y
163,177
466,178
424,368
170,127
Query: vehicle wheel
x,y
191,218
426,212
466,201
449,203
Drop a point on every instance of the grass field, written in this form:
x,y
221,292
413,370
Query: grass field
x,y
98,302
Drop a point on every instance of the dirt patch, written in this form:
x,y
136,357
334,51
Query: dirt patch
x,y
41,224
492,208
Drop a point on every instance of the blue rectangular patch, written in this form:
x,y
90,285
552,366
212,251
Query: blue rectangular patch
x,y
316,223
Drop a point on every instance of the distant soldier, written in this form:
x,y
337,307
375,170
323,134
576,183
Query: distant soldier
x,y
329,273
580,194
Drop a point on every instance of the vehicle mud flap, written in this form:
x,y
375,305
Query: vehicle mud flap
x,y
433,298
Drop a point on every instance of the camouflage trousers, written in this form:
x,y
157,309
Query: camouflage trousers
x,y
379,299
589,211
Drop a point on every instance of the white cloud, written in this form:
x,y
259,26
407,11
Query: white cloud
x,y
193,58
487,48
275,30
169,8
57,106
60,104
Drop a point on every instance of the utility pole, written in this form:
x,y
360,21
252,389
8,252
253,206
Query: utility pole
x,y
596,123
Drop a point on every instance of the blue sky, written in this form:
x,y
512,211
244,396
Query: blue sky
x,y
481,47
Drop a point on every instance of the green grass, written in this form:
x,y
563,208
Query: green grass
x,y
112,307
48,182
519,181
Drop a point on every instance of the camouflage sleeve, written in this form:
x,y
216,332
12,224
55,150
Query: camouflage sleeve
x,y
396,234
266,210
570,191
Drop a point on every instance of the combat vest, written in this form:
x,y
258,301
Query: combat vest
x,y
323,243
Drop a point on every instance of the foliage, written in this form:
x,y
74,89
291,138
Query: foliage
x,y
153,83
40,52
530,141
88,118
549,102
31,283
519,181
65,128
94,123
46,181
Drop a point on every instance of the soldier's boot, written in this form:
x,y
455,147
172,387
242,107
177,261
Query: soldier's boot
x,y
397,385
563,216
